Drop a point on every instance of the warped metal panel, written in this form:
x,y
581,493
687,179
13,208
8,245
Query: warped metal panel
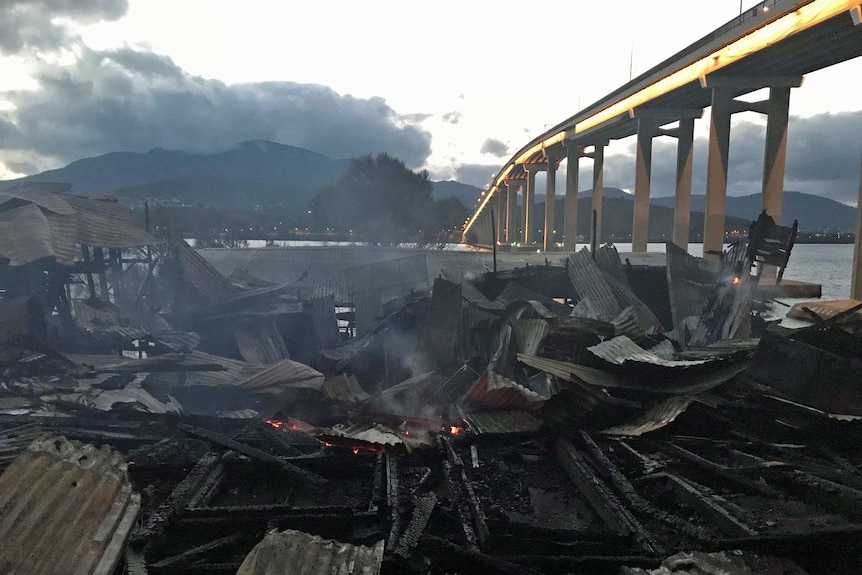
x,y
65,507
590,283
621,349
654,418
689,281
211,284
299,553
26,235
107,224
285,374
260,342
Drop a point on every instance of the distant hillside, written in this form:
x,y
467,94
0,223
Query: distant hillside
x,y
466,193
617,215
253,172
812,212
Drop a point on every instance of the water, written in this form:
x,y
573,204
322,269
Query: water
x,y
830,265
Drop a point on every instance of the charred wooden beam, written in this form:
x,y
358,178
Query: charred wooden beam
x,y
208,488
833,496
601,499
425,504
460,476
393,499
170,564
623,486
713,507
178,499
252,452
735,479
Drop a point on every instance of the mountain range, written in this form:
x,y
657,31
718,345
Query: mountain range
x,y
261,172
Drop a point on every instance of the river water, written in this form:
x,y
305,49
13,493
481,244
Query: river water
x,y
830,265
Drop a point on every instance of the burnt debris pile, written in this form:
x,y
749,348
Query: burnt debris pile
x,y
588,417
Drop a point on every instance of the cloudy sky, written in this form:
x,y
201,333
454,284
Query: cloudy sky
x,y
454,87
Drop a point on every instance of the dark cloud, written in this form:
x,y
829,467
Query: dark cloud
x,y
479,175
452,117
494,147
37,24
132,101
823,153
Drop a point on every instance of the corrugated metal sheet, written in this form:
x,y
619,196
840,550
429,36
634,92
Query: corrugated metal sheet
x,y
621,349
607,295
212,285
515,292
325,322
494,391
501,422
321,268
440,326
608,260
284,374
26,235
46,195
590,283
690,281
654,418
299,553
15,440
530,334
107,224
65,507
346,389
260,342
37,222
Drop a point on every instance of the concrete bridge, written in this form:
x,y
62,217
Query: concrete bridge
x,y
771,45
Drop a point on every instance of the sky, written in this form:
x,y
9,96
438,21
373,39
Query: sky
x,y
452,87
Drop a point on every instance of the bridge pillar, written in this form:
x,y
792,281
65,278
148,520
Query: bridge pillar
x,y
550,198
682,200
501,213
716,172
511,211
529,200
776,151
570,220
598,156
647,128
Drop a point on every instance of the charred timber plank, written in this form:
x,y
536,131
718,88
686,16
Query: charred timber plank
x,y
208,488
377,488
475,507
462,507
252,452
713,507
169,564
616,517
623,486
458,557
393,499
425,504
835,497
264,511
179,498
749,485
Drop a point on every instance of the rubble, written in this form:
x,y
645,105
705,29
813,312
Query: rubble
x,y
545,419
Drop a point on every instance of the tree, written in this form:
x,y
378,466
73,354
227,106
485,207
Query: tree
x,y
379,199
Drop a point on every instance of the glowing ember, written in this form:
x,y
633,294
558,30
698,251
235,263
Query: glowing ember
x,y
454,429
736,281
355,451
290,424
